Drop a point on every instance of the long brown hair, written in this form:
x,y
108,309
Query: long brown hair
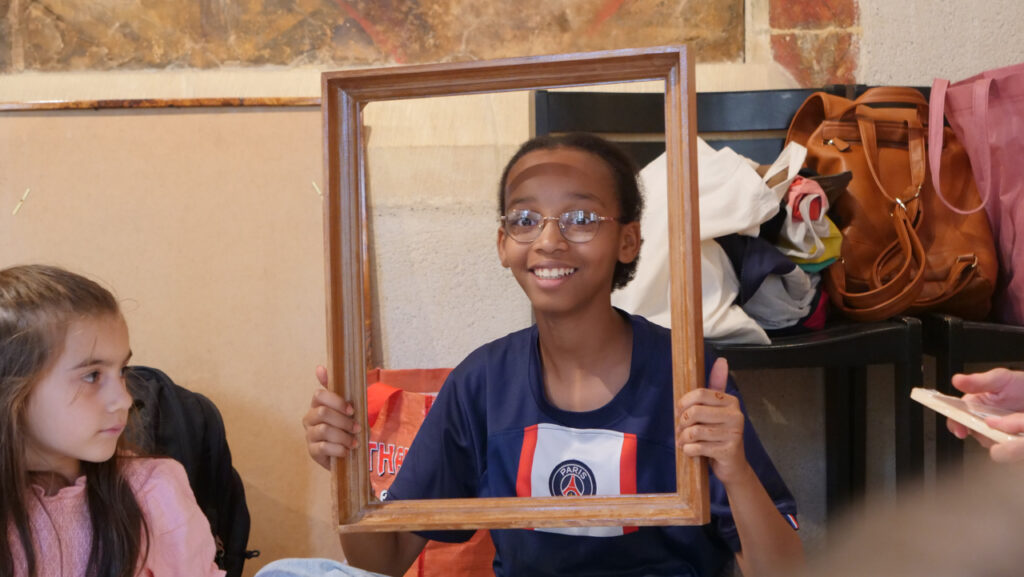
x,y
37,303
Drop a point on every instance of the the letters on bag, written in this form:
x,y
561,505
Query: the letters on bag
x,y
397,401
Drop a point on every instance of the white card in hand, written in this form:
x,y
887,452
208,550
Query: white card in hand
x,y
970,415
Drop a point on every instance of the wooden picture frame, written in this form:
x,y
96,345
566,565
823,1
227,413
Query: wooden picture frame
x,y
347,253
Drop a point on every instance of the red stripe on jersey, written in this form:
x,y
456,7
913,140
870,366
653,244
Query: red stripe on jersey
x,y
627,471
523,484
627,465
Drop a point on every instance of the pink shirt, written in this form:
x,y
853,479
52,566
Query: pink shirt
x,y
180,541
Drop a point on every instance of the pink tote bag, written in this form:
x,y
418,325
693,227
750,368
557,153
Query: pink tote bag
x,y
987,114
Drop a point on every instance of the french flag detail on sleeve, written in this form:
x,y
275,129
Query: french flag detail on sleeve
x,y
559,461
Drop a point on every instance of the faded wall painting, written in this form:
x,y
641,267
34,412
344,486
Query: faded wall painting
x,y
72,35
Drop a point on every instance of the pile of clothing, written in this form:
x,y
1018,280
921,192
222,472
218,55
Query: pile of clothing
x,y
765,238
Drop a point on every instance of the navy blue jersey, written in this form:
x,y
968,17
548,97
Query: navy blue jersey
x,y
492,433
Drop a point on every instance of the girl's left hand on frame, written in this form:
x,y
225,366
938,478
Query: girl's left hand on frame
x,y
713,426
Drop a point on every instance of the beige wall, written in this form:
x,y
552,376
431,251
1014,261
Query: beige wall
x,y
207,226
206,222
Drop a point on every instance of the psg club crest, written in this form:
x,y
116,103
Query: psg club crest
x,y
572,479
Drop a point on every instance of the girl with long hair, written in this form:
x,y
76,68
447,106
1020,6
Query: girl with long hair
x,y
74,502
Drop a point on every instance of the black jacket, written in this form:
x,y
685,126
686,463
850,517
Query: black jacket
x,y
186,426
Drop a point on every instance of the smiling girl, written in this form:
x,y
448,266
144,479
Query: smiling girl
x,y
580,403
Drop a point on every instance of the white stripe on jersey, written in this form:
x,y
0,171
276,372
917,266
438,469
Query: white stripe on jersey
x,y
598,449
579,461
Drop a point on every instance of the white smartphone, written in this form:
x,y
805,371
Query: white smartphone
x,y
971,415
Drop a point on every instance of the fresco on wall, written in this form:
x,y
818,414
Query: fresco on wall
x,y
67,35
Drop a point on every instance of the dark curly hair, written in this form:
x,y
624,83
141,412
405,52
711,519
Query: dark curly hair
x,y
624,170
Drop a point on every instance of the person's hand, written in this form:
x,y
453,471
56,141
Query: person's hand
x,y
713,426
330,426
1001,388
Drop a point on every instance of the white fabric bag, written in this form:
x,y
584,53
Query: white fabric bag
x,y
733,199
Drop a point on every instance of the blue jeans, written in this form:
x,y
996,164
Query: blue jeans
x,y
311,568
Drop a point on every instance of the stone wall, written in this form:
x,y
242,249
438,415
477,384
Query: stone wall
x,y
817,41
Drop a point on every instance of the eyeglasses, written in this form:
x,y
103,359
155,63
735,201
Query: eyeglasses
x,y
577,226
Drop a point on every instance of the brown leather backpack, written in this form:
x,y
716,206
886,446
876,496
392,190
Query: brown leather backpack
x,y
903,250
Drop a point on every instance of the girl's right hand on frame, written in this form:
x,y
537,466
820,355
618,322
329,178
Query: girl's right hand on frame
x,y
330,425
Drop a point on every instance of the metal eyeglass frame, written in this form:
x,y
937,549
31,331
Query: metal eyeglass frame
x,y
560,219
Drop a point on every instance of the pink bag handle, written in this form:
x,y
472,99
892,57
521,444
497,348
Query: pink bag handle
x,y
981,100
935,136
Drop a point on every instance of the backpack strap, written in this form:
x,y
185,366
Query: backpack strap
x,y
818,107
897,293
